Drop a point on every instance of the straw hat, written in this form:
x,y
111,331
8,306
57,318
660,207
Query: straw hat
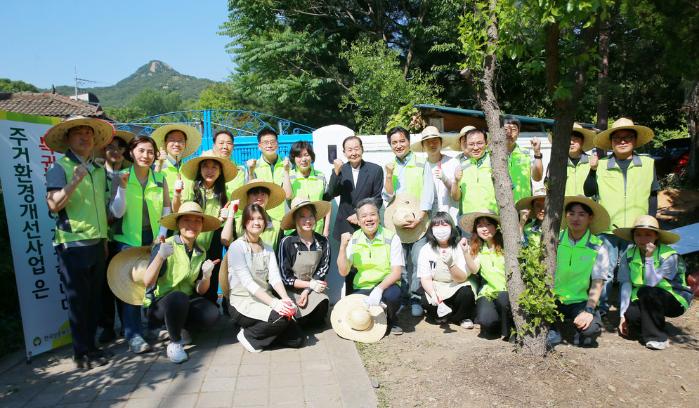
x,y
190,208
276,194
223,277
587,134
600,219
467,220
527,202
193,137
322,209
431,132
405,207
191,167
125,135
56,137
643,134
353,320
125,274
647,222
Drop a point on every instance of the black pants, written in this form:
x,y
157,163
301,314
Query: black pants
x,y
461,303
648,312
83,274
317,317
178,311
215,252
573,310
110,303
275,331
495,316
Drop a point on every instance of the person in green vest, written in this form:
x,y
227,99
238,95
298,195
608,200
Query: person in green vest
x,y
114,162
653,285
407,173
264,194
377,254
175,143
269,167
625,183
473,187
485,256
208,176
179,271
76,192
140,201
305,181
522,168
531,216
581,141
581,269
223,147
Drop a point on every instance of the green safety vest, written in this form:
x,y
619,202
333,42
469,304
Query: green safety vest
x,y
637,268
128,229
492,271
532,236
477,190
312,187
181,271
263,171
85,215
212,207
625,201
170,172
574,264
371,259
412,176
519,166
577,175
236,183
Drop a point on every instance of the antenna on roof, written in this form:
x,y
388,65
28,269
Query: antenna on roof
x,y
81,81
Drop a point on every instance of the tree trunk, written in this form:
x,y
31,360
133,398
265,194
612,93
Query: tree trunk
x,y
533,344
603,77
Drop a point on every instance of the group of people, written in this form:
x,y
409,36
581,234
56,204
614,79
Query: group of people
x,y
208,235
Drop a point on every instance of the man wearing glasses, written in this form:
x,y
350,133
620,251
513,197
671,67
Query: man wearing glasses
x,y
473,183
268,167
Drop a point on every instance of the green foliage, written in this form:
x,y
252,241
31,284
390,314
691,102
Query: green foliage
x,y
218,96
147,102
7,85
537,300
380,90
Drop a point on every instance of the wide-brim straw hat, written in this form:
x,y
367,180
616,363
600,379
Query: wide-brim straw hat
x,y
56,138
647,222
466,222
587,134
431,132
404,207
352,319
125,274
276,194
322,208
527,202
191,167
223,277
643,134
125,135
600,216
193,137
210,223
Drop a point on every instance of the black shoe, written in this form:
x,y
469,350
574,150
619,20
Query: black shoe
x,y
82,362
108,335
97,357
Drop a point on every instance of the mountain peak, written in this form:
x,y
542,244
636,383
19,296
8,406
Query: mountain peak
x,y
155,67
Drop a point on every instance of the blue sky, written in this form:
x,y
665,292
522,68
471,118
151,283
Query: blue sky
x,y
44,40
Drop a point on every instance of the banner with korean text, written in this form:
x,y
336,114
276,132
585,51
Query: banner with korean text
x,y
24,160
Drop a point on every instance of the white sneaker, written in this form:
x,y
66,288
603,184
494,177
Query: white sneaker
x,y
245,343
658,345
176,353
466,324
138,345
416,310
185,337
553,338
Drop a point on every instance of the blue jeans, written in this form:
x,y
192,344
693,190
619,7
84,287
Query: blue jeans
x,y
616,247
130,314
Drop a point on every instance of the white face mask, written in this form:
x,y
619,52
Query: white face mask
x,y
442,233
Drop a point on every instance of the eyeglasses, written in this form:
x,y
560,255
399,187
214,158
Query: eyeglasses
x,y
624,138
269,143
479,144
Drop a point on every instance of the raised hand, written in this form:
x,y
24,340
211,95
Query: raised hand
x,y
165,249
124,179
337,165
208,267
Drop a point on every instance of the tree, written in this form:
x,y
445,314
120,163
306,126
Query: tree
x,y
8,85
148,102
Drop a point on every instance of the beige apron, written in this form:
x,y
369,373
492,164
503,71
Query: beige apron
x,y
443,282
305,264
245,302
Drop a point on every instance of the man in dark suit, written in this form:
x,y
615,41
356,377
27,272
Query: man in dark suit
x,y
353,181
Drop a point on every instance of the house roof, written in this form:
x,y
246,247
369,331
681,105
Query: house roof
x,y
47,104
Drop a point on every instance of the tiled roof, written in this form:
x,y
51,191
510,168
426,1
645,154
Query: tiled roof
x,y
47,104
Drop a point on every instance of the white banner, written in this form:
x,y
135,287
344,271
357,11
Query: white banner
x,y
24,159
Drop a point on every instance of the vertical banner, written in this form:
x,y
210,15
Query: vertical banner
x,y
24,161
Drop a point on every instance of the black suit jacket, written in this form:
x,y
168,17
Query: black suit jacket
x,y
369,184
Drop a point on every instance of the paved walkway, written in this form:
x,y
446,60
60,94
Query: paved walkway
x,y
327,372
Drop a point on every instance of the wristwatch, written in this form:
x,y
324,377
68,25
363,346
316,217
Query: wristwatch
x,y
590,310
539,156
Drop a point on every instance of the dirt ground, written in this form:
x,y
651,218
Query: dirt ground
x,y
437,366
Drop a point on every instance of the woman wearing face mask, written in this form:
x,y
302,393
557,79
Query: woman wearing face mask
x,y
305,180
443,273
485,256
